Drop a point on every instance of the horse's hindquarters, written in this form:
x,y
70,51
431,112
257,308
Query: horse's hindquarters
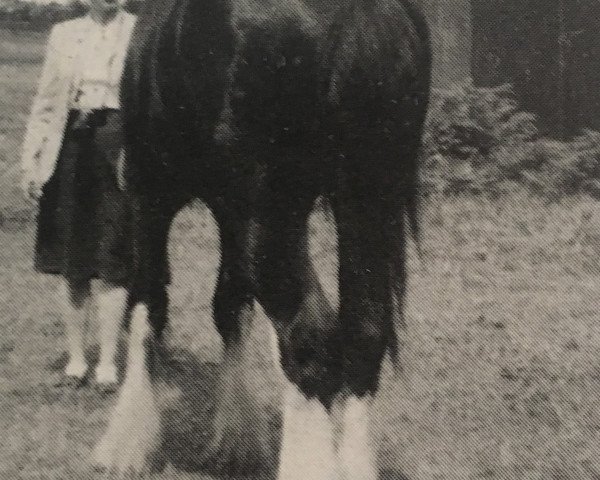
x,y
311,105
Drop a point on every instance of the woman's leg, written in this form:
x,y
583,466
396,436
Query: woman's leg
x,y
75,298
112,302
114,253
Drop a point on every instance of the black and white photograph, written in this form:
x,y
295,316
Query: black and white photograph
x,y
299,239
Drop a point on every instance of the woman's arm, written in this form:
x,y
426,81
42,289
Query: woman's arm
x,y
41,111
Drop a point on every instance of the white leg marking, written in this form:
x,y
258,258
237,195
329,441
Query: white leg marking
x,y
242,437
357,455
133,432
111,307
74,317
307,450
275,352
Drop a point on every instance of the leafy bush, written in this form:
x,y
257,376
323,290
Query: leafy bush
x,y
468,127
479,141
584,162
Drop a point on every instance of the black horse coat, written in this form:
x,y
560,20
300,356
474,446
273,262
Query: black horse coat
x,y
258,107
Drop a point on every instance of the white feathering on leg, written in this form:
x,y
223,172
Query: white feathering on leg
x,y
274,351
242,440
133,433
357,454
307,449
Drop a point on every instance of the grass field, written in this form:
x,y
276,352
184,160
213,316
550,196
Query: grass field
x,y
501,356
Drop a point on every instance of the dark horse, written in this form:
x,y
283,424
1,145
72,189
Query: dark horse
x,y
259,107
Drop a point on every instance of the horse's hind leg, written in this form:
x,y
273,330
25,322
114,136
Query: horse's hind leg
x,y
306,325
242,428
133,434
370,241
332,362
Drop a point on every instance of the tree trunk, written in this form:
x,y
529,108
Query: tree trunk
x,y
450,24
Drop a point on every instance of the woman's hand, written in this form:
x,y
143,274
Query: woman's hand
x,y
31,185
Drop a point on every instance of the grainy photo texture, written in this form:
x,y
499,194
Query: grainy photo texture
x,y
300,239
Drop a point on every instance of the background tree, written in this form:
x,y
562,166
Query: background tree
x,y
450,25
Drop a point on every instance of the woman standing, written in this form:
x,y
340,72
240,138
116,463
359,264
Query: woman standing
x,y
71,163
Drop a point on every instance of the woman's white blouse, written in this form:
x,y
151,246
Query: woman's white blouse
x,y
98,87
82,70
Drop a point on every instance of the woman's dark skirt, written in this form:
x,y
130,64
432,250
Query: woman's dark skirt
x,y
83,229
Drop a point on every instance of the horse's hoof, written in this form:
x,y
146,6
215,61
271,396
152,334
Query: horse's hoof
x,y
124,464
105,472
131,446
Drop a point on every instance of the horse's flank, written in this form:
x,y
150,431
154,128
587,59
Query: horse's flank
x,y
385,41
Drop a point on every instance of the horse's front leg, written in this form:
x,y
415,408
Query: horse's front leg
x,y
242,425
132,438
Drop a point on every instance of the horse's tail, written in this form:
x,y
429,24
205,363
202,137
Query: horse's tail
x,y
378,64
388,43
397,196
